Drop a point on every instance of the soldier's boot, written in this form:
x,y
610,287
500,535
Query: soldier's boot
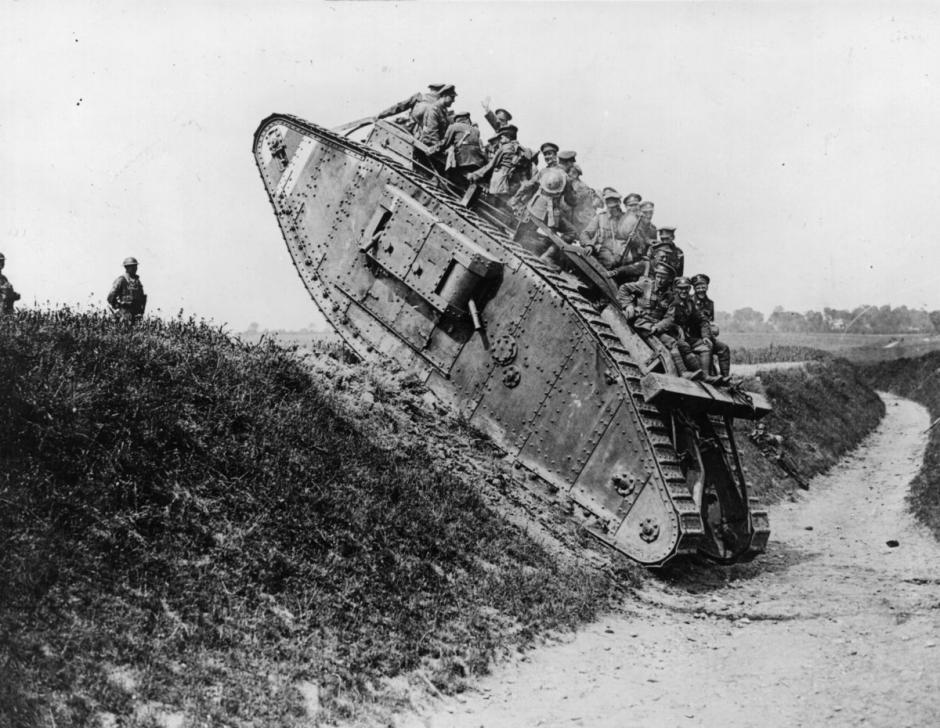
x,y
681,368
694,366
724,364
706,358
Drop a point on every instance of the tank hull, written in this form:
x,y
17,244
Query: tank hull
x,y
402,270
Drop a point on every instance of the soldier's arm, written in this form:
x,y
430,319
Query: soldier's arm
x,y
431,132
491,118
115,292
590,232
400,107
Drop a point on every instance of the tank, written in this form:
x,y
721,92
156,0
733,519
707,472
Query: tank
x,y
532,351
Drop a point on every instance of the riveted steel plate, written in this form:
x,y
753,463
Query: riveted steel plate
x,y
621,451
576,413
544,339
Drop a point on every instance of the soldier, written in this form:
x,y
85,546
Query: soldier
x,y
497,119
567,159
648,306
720,350
416,104
587,200
436,119
462,149
127,298
604,239
771,446
507,169
645,229
549,152
545,205
8,296
693,341
667,251
632,203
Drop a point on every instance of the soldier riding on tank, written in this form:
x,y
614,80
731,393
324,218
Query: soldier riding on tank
x,y
649,306
720,351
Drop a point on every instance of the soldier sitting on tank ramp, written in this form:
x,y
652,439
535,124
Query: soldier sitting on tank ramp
x,y
649,307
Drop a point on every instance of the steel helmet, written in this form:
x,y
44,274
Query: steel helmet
x,y
130,261
552,181
664,268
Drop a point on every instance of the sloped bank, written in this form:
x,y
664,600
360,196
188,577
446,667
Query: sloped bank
x,y
196,528
918,379
822,410
192,526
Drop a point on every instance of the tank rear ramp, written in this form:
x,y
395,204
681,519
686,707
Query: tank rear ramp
x,y
400,269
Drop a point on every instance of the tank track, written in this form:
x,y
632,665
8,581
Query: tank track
x,y
656,427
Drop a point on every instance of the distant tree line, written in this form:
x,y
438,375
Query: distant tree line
x,y
860,320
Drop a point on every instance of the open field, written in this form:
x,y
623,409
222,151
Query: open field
x,y
854,347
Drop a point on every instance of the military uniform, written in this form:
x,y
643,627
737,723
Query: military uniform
x,y
653,311
494,121
463,151
583,211
417,104
507,169
670,254
7,295
721,352
127,297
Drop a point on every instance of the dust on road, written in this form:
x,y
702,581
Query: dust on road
x,y
832,626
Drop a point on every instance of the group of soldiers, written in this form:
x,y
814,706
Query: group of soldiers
x,y
126,298
551,200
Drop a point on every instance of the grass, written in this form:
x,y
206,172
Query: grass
x,y
202,528
758,348
189,524
918,379
822,411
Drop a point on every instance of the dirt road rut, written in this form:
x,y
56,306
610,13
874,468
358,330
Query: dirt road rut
x,y
831,627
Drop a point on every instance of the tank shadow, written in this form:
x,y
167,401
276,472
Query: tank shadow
x,y
697,575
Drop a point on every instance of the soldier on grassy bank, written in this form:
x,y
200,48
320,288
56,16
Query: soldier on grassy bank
x,y
7,295
127,298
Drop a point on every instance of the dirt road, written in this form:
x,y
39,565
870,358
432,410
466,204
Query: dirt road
x,y
831,627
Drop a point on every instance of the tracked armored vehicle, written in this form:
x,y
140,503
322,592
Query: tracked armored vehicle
x,y
537,355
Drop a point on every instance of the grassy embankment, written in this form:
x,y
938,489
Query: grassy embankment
x,y
918,379
188,524
823,410
196,527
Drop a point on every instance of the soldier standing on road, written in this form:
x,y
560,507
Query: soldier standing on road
x,y
720,350
127,298
7,295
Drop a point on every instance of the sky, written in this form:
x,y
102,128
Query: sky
x,y
794,146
